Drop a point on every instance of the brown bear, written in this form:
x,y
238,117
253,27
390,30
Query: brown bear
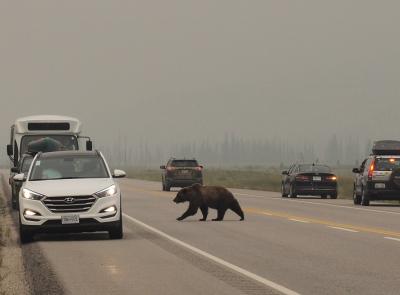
x,y
205,197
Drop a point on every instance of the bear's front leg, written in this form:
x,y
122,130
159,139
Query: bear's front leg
x,y
204,210
192,210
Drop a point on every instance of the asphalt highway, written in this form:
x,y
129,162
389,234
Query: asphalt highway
x,y
284,246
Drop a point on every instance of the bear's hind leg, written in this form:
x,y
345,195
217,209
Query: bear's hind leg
x,y
204,210
221,214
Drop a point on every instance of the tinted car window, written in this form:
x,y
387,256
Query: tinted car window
x,y
68,167
184,163
385,164
314,168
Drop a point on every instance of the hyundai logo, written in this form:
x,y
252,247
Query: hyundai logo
x,y
69,200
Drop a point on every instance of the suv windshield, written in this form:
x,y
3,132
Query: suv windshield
x,y
387,164
68,167
67,142
314,168
184,163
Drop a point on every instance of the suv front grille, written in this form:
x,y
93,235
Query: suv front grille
x,y
69,204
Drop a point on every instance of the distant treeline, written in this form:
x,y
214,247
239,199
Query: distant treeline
x,y
235,151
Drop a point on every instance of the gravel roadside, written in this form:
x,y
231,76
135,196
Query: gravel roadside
x,y
23,270
12,273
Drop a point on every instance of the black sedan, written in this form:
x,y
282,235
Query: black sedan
x,y
309,180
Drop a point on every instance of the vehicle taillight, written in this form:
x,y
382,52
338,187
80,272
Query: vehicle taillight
x,y
332,178
199,168
371,169
302,178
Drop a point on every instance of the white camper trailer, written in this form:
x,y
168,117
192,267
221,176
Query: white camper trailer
x,y
64,130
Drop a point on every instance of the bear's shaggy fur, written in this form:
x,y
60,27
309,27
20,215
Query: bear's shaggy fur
x,y
205,197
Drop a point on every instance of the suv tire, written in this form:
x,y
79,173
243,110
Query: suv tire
x,y
334,196
364,199
117,233
25,235
356,198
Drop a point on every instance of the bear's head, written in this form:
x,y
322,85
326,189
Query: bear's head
x,y
187,194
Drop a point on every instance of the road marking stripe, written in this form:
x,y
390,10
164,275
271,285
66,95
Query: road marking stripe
x,y
249,195
299,220
393,239
344,229
341,206
324,222
238,269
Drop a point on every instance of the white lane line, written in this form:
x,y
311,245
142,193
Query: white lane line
x,y
393,239
344,229
321,204
238,269
268,214
298,220
249,195
343,206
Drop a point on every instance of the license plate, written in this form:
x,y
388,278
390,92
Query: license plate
x,y
70,219
184,171
380,185
317,178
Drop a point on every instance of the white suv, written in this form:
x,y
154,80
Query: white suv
x,y
69,191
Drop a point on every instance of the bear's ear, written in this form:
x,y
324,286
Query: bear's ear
x,y
196,186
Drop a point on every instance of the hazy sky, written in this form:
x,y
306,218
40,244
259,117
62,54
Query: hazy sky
x,y
166,71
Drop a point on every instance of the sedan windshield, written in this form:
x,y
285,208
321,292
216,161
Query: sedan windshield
x,y
68,167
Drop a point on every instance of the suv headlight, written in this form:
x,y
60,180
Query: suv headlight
x,y
28,194
108,192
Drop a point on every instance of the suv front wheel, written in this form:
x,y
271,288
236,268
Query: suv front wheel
x,y
117,233
25,235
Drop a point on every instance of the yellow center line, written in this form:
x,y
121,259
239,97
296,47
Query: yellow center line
x,y
373,230
285,215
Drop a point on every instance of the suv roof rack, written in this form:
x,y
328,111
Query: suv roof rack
x,y
386,147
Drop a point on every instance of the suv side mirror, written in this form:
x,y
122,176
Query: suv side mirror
x,y
20,177
285,172
118,174
356,170
163,167
9,150
14,170
89,145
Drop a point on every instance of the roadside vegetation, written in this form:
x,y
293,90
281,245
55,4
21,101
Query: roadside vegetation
x,y
247,178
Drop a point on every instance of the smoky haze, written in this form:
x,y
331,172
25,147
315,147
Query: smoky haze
x,y
302,75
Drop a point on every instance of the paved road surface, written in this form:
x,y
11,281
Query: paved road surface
x,y
309,246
